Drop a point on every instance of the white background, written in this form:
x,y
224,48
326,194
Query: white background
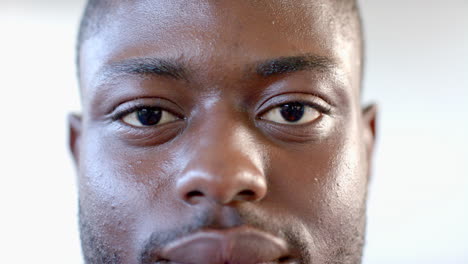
x,y
417,71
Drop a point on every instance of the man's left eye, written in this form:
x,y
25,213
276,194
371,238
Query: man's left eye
x,y
148,116
294,113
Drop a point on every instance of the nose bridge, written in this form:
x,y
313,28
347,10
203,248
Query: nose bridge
x,y
224,165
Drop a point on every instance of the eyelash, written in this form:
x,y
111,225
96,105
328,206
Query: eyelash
x,y
323,109
119,115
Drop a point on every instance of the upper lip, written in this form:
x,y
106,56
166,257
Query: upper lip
x,y
239,245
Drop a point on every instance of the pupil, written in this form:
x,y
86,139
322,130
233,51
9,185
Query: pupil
x,y
149,116
292,112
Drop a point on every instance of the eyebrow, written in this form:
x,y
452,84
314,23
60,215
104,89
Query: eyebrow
x,y
148,66
285,65
173,69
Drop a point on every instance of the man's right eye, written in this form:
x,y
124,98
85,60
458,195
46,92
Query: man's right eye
x,y
148,116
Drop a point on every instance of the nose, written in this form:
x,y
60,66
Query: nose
x,y
223,167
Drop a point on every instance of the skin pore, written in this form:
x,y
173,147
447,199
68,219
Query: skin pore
x,y
237,120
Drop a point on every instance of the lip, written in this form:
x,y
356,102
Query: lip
x,y
239,245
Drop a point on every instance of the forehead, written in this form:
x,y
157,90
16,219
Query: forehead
x,y
217,37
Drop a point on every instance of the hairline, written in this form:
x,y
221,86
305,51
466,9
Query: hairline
x,y
93,17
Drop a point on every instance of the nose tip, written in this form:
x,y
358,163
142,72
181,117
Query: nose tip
x,y
225,164
198,187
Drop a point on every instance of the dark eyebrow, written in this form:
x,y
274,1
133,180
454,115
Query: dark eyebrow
x,y
175,70
147,66
284,65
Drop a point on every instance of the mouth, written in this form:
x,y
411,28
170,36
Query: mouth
x,y
240,245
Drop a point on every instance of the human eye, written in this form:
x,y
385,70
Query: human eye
x,y
147,121
147,116
292,113
144,113
296,117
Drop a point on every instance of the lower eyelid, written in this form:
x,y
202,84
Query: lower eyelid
x,y
299,133
146,136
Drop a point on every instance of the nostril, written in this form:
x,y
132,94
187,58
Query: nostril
x,y
193,194
286,259
246,195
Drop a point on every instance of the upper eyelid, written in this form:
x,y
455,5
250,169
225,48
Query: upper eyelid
x,y
129,106
117,115
317,106
327,107
150,102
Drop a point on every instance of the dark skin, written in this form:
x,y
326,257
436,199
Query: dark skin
x,y
235,125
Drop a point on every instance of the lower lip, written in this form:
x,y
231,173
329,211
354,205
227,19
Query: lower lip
x,y
212,243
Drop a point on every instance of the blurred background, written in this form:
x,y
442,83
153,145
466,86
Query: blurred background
x,y
417,71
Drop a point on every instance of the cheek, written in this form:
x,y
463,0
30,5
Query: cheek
x,y
348,189
120,188
324,174
321,191
324,184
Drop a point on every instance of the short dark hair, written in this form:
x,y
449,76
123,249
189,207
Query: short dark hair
x,y
91,20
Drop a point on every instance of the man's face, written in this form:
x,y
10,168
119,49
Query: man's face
x,y
222,132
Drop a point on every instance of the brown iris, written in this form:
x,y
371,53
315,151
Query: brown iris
x,y
149,116
292,112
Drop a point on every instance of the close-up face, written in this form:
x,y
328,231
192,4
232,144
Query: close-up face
x,y
222,132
